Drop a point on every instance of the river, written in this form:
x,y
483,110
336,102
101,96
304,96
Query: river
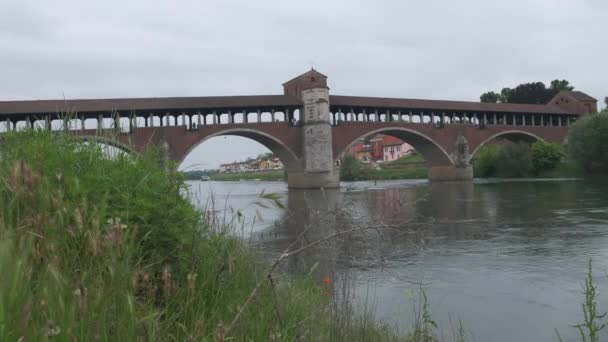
x,y
507,258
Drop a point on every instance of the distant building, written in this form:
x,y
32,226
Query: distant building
x,y
361,152
382,148
252,165
394,148
376,147
275,164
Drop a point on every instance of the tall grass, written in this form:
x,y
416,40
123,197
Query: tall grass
x,y
94,247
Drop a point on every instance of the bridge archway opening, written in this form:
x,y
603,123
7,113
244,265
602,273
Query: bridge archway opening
x,y
430,150
513,136
240,146
110,147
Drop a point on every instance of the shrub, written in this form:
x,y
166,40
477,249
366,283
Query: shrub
x,y
503,160
106,248
514,160
350,169
545,156
484,164
588,143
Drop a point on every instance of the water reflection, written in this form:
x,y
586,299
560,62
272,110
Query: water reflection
x,y
508,258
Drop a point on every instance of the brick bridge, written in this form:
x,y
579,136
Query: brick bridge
x,y
307,128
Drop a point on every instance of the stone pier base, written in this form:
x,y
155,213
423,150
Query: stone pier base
x,y
304,180
450,173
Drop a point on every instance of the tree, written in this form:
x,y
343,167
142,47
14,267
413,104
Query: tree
x,y
545,156
489,97
559,85
588,143
531,93
605,110
350,169
484,164
513,160
265,156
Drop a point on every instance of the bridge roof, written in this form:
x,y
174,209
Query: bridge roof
x,y
153,104
441,105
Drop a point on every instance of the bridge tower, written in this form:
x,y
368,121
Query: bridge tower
x,y
317,165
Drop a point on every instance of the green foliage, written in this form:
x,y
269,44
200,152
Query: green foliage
x,y
489,97
588,143
503,160
592,323
545,156
265,156
514,160
198,174
350,169
485,161
518,160
272,175
413,157
532,93
100,248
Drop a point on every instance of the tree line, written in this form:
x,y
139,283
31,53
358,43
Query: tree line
x,y
528,93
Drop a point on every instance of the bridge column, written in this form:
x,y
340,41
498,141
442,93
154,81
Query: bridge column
x,y
317,163
460,170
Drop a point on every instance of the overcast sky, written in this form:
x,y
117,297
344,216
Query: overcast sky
x,y
393,48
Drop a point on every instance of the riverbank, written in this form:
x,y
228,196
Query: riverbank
x,y
368,174
274,175
99,247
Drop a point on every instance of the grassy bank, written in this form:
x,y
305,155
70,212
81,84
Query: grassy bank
x,y
93,248
408,167
274,175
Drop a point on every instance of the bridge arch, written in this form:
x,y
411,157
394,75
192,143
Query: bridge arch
x,y
109,141
288,157
431,150
515,136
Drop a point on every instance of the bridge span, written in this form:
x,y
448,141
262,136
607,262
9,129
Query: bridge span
x,y
306,127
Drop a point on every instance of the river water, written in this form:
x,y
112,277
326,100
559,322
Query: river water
x,y
507,258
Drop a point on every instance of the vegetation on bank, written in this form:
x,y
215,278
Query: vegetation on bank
x,y
274,175
198,174
407,167
99,248
588,143
522,160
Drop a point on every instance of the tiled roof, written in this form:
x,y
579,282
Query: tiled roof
x,y
439,105
146,104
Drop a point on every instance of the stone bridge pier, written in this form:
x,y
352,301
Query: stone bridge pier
x,y
460,168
